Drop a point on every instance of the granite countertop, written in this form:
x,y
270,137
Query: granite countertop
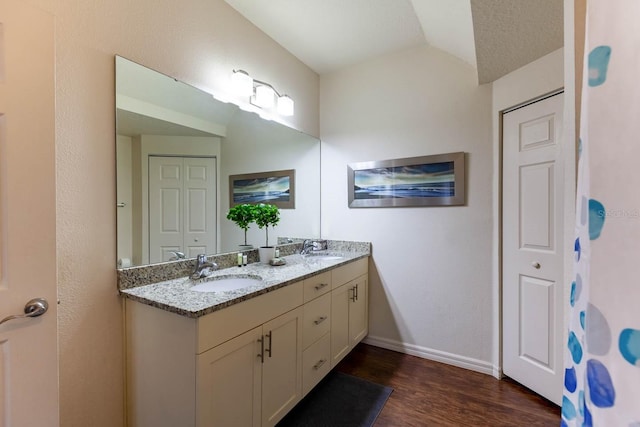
x,y
175,295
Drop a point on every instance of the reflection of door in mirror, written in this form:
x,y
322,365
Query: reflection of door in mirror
x,y
167,191
182,200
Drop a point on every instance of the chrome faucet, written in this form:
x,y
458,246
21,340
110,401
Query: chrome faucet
x,y
310,245
203,267
307,246
176,255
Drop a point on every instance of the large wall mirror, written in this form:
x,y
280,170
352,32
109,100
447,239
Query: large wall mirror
x,y
176,148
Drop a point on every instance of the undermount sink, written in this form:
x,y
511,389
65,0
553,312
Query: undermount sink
x,y
227,283
327,256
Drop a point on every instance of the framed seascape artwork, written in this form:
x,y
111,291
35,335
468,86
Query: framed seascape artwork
x,y
416,181
276,188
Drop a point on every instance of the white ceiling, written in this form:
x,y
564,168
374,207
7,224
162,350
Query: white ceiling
x,y
330,34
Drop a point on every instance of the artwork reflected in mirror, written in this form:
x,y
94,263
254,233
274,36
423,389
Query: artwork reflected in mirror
x,y
176,148
276,188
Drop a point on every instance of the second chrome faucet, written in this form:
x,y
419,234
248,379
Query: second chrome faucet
x,y
313,245
203,267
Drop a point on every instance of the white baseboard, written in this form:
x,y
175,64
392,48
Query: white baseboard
x,y
497,372
436,355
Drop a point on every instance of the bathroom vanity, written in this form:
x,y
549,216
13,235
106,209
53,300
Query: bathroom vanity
x,y
244,357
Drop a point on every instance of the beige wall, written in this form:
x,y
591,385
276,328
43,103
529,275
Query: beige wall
x,y
260,146
200,42
430,282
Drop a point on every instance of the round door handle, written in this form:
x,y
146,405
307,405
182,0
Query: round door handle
x,y
536,265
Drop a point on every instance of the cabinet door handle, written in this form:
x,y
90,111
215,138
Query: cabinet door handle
x,y
268,350
261,354
356,292
320,286
320,320
319,364
353,294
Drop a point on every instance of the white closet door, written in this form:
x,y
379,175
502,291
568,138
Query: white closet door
x,y
532,288
166,198
199,206
182,206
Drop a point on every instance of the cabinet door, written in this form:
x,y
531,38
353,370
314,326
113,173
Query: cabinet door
x,y
228,383
340,300
282,367
358,311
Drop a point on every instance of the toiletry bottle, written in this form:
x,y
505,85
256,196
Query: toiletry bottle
x,y
240,259
244,259
277,252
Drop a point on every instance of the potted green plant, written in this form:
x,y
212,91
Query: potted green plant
x,y
266,216
243,215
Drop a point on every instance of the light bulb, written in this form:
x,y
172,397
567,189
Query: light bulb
x,y
265,96
285,105
242,83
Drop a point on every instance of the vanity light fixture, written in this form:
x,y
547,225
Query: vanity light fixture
x,y
261,94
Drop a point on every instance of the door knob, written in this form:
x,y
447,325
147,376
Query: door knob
x,y
34,308
536,265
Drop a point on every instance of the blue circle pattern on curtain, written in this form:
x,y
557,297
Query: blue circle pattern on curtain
x,y
590,334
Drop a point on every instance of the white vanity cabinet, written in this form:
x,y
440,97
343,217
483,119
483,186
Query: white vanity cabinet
x,y
239,366
247,364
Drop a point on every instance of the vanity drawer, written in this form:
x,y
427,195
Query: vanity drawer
x,y
316,319
316,363
317,285
348,272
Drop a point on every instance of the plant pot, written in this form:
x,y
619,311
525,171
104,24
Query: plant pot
x,y
267,253
244,248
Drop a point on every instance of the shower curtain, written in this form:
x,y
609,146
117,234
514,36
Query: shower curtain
x,y
602,357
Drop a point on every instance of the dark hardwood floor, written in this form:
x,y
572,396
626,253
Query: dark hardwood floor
x,y
427,393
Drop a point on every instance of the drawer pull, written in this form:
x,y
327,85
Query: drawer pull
x,y
320,286
319,364
320,320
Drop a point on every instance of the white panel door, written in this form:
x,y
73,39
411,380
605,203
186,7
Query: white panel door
x,y
28,346
199,206
532,251
182,206
166,200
